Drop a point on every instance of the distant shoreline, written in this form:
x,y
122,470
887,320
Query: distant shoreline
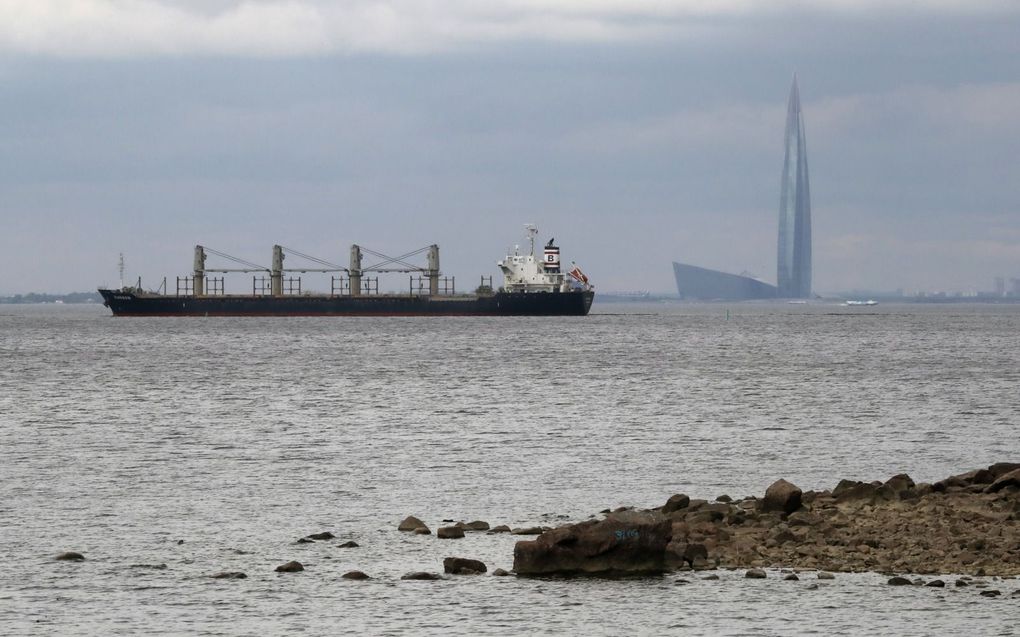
x,y
35,297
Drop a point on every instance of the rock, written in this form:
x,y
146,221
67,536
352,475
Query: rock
x,y
681,582
422,530
502,528
290,567
463,566
325,535
812,587
936,583
898,487
355,575
624,542
850,490
304,540
70,556
961,583
529,530
825,575
679,553
1000,469
724,498
713,576
411,523
675,503
450,532
898,581
155,567
755,573
421,575
349,545
990,593
500,572
781,496
477,525
1011,479
792,577
229,575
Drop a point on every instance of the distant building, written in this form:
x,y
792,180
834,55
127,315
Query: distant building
x,y
794,262
794,254
693,282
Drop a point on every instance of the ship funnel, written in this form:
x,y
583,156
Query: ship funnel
x,y
551,257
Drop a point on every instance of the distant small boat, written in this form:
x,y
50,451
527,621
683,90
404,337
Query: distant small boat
x,y
797,302
869,303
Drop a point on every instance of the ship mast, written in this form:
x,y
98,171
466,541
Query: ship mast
x,y
120,268
532,233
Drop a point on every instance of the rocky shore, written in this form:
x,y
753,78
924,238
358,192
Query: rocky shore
x,y
965,524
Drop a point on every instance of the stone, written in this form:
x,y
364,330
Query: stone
x,y
792,577
411,523
290,567
502,528
70,556
529,530
755,573
420,575
898,487
898,581
325,535
349,545
449,532
681,582
990,593
422,530
500,572
781,496
936,583
463,566
355,575
825,575
724,498
961,583
1000,469
851,490
229,575
477,525
304,540
624,542
713,576
675,503
1011,479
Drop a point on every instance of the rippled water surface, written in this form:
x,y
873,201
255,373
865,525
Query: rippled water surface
x,y
208,445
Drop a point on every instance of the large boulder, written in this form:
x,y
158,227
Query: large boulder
x,y
463,566
70,556
781,496
675,503
624,542
290,567
848,490
1011,479
449,532
410,523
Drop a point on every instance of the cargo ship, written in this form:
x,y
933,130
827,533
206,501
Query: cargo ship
x,y
533,285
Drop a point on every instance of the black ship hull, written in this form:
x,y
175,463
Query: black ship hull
x,y
129,303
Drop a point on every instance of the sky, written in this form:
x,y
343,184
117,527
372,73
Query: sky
x,y
635,132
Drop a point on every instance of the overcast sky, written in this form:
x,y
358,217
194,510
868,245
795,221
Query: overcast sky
x,y
637,132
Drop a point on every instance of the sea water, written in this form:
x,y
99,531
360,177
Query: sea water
x,y
213,444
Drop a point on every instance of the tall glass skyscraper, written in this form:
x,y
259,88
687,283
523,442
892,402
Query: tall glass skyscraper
x,y
794,268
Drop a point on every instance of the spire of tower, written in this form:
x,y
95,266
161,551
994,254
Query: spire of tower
x,y
794,258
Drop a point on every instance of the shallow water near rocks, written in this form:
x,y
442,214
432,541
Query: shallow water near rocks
x,y
123,437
